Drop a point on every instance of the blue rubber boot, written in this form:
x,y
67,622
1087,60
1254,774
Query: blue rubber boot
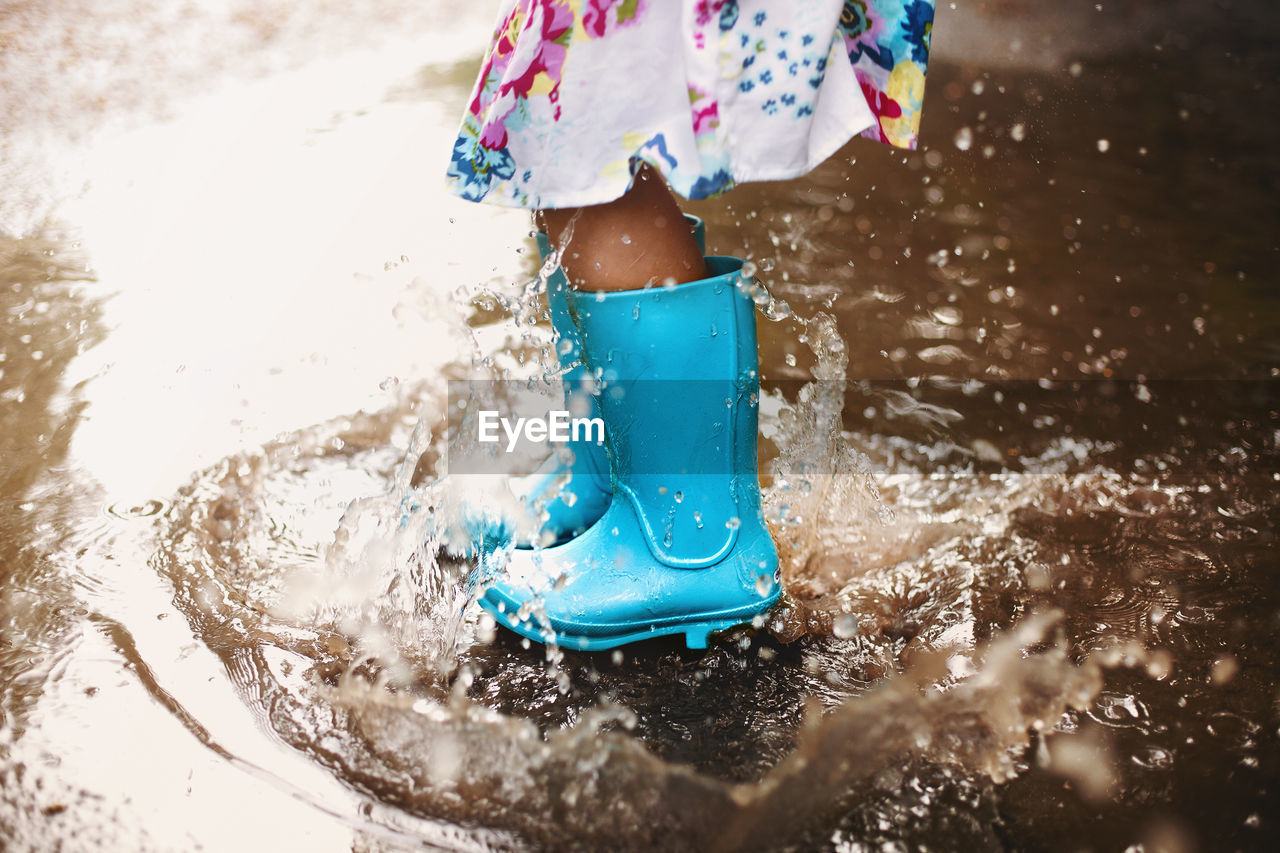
x,y
572,485
683,548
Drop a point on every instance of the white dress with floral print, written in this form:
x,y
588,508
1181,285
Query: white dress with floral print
x,y
712,93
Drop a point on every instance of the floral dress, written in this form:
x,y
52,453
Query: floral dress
x,y
712,93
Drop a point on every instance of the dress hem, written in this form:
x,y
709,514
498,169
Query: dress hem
x,y
602,194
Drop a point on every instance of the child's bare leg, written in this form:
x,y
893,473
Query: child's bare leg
x,y
639,239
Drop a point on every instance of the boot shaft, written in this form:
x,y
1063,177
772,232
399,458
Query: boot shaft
x,y
678,387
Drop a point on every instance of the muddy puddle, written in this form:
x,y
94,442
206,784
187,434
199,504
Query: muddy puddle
x,y
1019,431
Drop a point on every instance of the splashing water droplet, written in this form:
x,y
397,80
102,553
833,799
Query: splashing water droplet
x,y
845,626
776,310
733,523
964,139
679,497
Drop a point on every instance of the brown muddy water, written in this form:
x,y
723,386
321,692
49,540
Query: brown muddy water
x,y
1020,431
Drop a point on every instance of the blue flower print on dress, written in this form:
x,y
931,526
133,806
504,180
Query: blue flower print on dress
x,y
729,15
712,185
918,26
475,167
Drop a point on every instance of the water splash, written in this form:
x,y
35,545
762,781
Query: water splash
x,y
908,568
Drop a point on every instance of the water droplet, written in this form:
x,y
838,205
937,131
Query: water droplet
x,y
635,311
790,359
777,310
845,626
626,239
1104,145
679,497
697,519
733,523
964,139
948,315
123,510
1018,132
764,585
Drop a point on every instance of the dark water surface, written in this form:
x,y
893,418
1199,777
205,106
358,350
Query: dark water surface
x,y
1020,438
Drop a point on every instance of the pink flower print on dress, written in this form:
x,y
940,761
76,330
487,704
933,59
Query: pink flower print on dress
x,y
596,17
705,111
882,106
706,11
532,41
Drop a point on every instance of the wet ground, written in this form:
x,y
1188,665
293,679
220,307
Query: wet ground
x,y
1020,447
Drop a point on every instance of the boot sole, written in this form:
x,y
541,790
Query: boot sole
x,y
697,630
